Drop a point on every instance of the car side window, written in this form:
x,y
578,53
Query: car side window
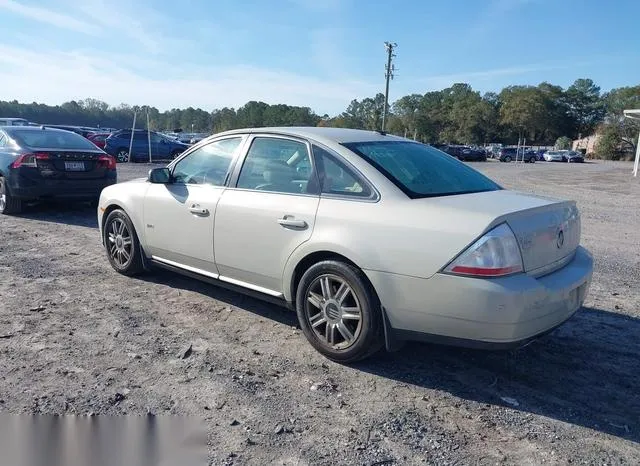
x,y
277,165
155,137
208,164
336,178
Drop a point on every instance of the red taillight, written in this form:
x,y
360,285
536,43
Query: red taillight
x,y
29,160
496,254
107,161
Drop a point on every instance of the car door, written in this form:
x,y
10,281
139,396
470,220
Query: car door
x,y
140,149
162,147
268,210
179,216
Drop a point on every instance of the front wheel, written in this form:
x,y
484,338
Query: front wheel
x,y
8,204
507,159
121,243
339,312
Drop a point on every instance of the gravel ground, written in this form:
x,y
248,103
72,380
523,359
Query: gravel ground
x,y
77,338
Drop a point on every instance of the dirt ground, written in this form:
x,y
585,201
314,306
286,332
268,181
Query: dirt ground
x,y
77,338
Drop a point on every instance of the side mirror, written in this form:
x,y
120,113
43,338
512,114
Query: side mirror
x,y
159,175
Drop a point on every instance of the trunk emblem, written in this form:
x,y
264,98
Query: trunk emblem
x,y
560,239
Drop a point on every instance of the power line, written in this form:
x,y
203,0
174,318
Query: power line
x,y
389,70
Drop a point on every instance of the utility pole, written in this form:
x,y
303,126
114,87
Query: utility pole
x,y
389,69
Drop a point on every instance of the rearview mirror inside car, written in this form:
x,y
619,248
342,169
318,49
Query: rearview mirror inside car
x,y
159,175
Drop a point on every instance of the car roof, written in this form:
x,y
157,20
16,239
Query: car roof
x,y
320,134
9,129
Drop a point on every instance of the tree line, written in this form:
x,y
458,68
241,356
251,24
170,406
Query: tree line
x,y
542,114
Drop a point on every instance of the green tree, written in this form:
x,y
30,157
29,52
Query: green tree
x,y
407,111
585,106
563,143
523,112
608,145
616,102
558,121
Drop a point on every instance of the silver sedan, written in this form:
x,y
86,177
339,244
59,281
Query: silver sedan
x,y
372,239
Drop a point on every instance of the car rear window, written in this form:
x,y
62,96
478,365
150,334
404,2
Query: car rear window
x,y
47,139
420,170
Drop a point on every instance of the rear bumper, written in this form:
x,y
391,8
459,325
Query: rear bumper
x,y
43,188
482,313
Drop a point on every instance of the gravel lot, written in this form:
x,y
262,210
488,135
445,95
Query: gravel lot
x,y
77,338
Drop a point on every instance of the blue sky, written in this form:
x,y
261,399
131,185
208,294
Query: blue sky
x,y
319,53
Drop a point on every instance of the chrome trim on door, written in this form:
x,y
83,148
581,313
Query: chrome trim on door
x,y
186,267
260,289
216,276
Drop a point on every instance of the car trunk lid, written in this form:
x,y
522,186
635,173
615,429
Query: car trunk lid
x,y
547,230
70,164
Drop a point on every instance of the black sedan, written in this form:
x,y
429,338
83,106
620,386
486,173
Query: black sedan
x,y
38,163
574,157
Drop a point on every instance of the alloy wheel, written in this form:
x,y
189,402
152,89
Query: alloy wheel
x,y
120,242
333,311
123,156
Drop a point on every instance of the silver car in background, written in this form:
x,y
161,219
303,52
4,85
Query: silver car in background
x,y
555,156
372,239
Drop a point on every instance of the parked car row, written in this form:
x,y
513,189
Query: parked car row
x,y
155,145
508,154
564,156
465,153
144,145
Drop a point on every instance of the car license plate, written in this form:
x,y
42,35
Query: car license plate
x,y
74,166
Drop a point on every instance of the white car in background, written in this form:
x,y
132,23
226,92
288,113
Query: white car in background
x,y
372,239
556,156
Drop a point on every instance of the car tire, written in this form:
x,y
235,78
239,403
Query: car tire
x,y
121,244
532,160
507,159
175,154
339,312
122,155
8,204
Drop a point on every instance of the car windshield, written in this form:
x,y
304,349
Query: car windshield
x,y
420,170
48,139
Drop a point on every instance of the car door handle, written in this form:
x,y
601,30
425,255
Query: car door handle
x,y
291,222
196,209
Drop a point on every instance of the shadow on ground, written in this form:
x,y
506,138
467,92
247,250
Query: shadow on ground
x,y
265,309
81,214
587,372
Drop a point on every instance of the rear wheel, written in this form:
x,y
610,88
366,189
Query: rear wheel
x,y
121,243
507,158
175,154
122,155
8,204
339,312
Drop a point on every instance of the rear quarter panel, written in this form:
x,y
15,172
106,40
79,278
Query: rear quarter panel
x,y
394,236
